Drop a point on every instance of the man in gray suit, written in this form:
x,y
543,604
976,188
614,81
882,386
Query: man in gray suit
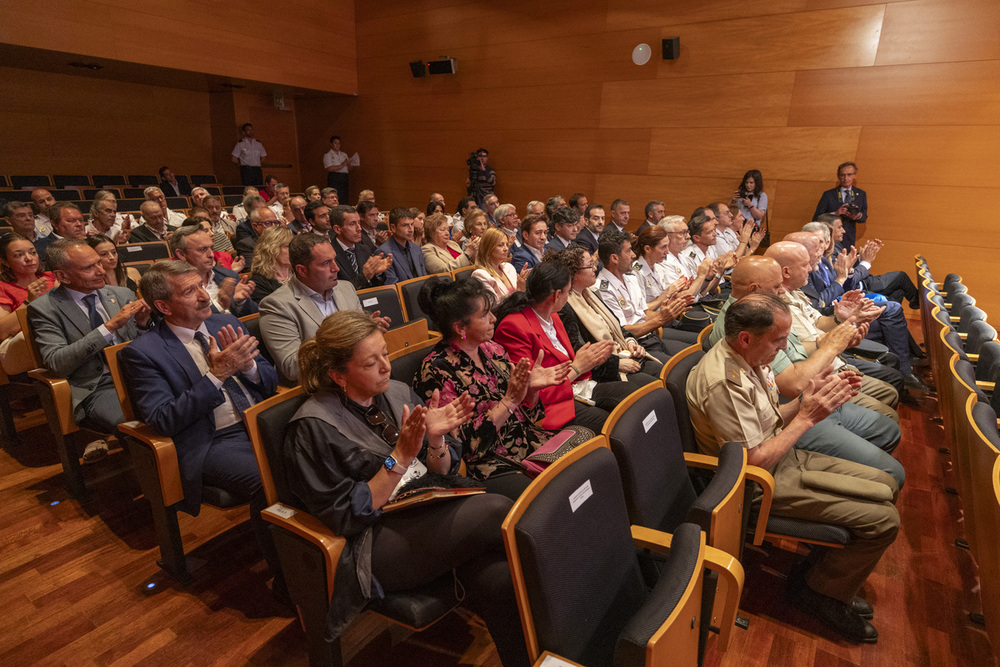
x,y
72,323
292,313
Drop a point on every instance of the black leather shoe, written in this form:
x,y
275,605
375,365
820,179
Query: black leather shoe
x,y
838,616
862,608
911,381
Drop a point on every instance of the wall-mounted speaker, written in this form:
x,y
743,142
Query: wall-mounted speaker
x,y
444,66
671,48
417,67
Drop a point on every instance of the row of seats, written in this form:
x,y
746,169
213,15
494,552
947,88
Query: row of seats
x,y
60,181
965,360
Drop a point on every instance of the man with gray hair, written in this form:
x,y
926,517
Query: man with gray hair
x,y
536,207
191,377
227,292
260,219
198,196
73,322
154,225
732,398
173,218
279,203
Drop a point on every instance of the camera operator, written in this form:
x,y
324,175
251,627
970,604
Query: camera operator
x,y
482,179
847,201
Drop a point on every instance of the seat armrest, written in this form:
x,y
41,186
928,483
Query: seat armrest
x,y
731,572
701,461
165,455
312,530
766,482
986,385
953,318
62,397
973,357
654,540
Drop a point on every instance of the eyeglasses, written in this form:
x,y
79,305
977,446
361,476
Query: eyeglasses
x,y
376,417
588,268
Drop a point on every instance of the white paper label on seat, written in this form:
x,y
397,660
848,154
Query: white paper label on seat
x,y
648,422
131,248
580,496
370,302
281,510
552,661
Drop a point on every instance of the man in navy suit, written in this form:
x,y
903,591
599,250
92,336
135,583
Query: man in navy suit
x,y
847,201
565,222
226,291
534,234
357,264
190,378
589,236
407,258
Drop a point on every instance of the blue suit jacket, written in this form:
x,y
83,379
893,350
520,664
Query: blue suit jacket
x,y
521,256
830,201
400,269
171,395
248,307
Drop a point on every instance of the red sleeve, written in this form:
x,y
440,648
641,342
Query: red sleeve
x,y
511,335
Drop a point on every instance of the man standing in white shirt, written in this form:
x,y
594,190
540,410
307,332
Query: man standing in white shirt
x,y
247,154
337,165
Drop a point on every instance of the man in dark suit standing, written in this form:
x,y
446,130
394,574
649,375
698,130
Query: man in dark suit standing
x,y
407,258
357,264
190,378
174,186
847,201
72,323
226,291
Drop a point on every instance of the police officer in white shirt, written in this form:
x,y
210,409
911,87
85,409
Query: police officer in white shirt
x,y
247,154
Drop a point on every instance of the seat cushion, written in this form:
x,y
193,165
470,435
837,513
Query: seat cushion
x,y
420,607
810,530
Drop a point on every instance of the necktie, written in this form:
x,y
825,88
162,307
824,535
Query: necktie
x,y
95,317
354,259
230,385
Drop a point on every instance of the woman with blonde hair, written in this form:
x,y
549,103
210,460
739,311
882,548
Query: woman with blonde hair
x,y
313,193
492,268
271,266
351,447
441,254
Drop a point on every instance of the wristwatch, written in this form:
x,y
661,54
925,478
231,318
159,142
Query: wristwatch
x,y
390,463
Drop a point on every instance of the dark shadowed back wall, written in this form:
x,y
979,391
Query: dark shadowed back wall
x,y
909,90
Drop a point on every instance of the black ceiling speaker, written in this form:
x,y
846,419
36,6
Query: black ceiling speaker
x,y
671,48
417,67
444,66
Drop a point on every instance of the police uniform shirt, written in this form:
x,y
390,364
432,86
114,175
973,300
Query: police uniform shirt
x,y
626,299
725,240
731,401
673,268
692,257
652,279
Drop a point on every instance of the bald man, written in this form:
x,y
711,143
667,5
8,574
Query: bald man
x,y
42,199
154,224
852,432
809,325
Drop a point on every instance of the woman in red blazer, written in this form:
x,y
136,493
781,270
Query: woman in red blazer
x,y
528,322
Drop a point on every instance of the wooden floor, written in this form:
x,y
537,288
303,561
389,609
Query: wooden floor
x,y
73,583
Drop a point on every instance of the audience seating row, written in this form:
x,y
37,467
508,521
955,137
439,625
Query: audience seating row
x,y
965,360
18,182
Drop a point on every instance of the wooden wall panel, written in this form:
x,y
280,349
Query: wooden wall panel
x,y
705,101
253,39
935,31
789,152
939,94
55,123
655,13
781,42
929,157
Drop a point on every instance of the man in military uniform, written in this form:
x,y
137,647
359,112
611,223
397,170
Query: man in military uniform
x,y
853,431
809,326
622,293
732,397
